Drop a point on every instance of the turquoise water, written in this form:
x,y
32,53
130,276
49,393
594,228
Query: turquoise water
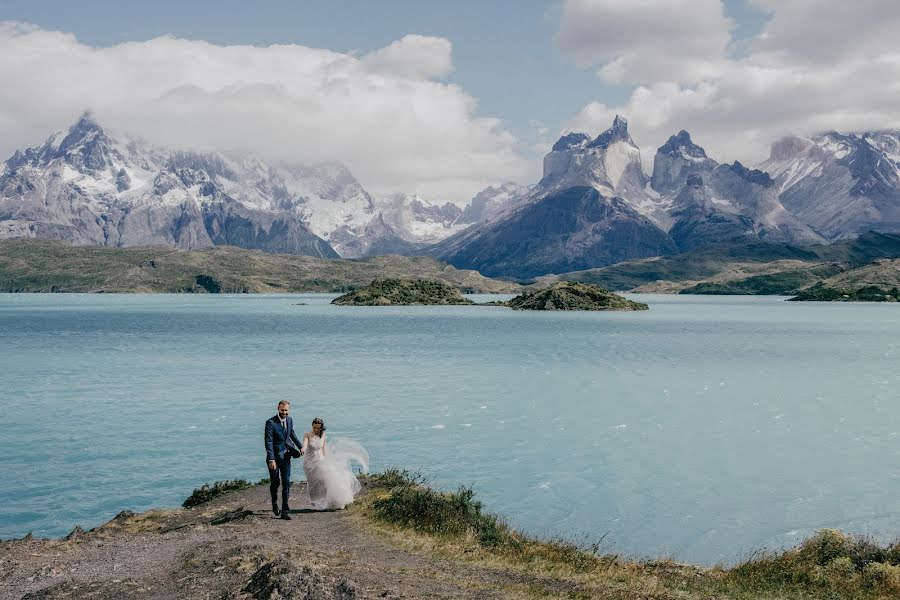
x,y
703,429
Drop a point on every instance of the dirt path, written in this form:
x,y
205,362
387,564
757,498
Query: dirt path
x,y
235,548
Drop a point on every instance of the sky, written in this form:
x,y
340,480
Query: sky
x,y
445,98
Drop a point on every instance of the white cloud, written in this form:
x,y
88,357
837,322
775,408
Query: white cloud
x,y
383,114
810,70
413,56
645,40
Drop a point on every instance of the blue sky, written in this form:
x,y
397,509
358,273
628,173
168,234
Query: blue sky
x,y
736,73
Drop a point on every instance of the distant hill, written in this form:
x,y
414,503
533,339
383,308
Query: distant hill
x,y
756,268
29,265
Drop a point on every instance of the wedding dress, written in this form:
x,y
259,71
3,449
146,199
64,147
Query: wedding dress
x,y
329,470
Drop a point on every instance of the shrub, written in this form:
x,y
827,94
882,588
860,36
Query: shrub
x,y
207,492
410,503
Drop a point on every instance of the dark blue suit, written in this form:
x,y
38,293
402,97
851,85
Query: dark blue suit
x,y
279,441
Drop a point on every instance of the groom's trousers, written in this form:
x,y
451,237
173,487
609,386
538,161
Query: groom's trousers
x,y
281,474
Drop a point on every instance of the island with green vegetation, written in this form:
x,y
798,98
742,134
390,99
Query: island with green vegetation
x,y
401,538
567,295
402,292
869,293
30,265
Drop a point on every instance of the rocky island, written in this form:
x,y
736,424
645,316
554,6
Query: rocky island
x,y
400,539
402,292
568,295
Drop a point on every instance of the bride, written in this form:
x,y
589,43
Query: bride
x,y
329,474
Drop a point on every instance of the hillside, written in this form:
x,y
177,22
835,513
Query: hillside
x,y
754,268
28,265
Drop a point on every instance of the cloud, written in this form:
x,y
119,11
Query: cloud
x,y
413,56
383,114
645,40
806,72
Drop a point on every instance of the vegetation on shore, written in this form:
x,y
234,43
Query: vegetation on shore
x,y
403,508
207,492
567,295
31,265
402,292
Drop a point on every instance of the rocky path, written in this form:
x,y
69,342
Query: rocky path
x,y
235,548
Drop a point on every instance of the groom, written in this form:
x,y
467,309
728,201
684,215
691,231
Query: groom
x,y
281,445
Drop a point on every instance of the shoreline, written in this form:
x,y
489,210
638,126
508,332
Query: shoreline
x,y
401,539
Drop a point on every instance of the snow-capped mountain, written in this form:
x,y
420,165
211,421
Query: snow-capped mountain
x,y
595,206
419,221
587,211
87,186
702,202
840,184
493,200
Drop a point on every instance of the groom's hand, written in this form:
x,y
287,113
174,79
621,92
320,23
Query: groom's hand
x,y
271,465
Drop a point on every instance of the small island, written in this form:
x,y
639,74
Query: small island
x,y
569,295
868,293
402,292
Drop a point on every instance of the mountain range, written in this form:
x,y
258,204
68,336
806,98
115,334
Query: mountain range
x,y
594,205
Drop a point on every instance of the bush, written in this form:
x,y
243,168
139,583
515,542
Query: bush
x,y
207,492
411,503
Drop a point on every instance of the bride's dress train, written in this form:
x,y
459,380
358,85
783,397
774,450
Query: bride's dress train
x,y
329,475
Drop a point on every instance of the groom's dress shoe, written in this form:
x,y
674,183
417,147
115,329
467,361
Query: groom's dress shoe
x,y
285,515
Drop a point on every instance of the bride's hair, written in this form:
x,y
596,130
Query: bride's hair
x,y
320,422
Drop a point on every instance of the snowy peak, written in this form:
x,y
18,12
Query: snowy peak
x,y
617,133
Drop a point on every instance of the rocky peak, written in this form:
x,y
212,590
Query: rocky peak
x,y
87,147
676,160
617,133
682,144
571,140
752,175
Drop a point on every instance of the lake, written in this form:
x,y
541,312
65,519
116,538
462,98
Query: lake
x,y
702,429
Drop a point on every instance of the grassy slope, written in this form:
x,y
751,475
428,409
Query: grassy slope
x,y
28,265
404,510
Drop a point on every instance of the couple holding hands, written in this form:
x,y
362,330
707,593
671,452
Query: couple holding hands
x,y
328,468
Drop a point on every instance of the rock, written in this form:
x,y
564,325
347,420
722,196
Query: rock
x,y
281,579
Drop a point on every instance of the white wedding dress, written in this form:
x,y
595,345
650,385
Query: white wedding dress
x,y
329,470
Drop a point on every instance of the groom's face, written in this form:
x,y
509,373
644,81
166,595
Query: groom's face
x,y
283,410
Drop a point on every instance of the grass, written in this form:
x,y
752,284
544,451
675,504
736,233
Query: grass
x,y
829,565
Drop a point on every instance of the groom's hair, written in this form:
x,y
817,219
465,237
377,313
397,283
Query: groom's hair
x,y
284,402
